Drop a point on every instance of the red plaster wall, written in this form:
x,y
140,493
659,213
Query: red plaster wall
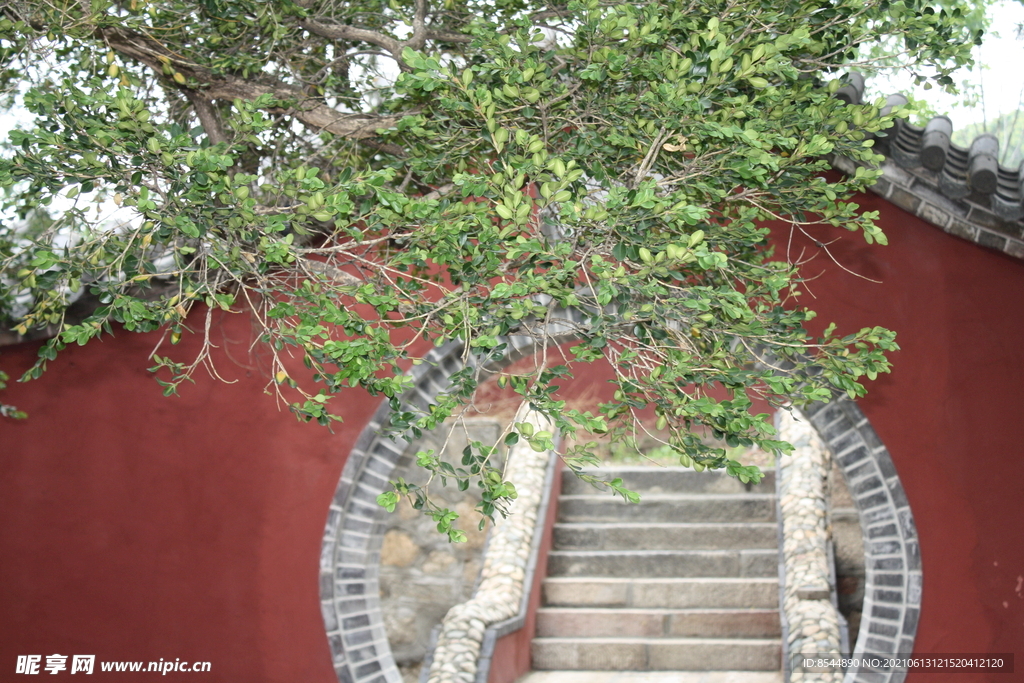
x,y
138,527
950,413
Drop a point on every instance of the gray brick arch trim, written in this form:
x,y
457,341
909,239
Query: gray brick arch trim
x,y
350,550
892,596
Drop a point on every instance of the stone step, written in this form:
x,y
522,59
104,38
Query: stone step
x,y
659,508
658,623
652,677
677,593
653,479
664,563
665,536
662,654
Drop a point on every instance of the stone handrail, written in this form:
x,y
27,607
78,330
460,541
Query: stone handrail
x,y
500,594
812,622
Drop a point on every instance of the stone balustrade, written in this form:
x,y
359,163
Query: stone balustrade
x,y
811,618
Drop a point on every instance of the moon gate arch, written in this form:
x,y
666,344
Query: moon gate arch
x,y
350,549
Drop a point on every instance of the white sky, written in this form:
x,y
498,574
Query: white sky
x,y
999,70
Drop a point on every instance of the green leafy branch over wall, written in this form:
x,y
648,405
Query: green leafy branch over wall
x,y
364,175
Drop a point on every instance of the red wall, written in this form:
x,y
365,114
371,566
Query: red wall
x,y
950,413
138,527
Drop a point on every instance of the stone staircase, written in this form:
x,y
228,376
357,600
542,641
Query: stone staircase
x,y
686,581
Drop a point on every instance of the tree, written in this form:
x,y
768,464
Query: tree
x,y
362,175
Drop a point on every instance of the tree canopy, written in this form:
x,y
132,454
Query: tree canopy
x,y
364,175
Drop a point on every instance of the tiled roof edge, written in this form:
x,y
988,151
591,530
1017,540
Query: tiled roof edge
x,y
966,192
917,193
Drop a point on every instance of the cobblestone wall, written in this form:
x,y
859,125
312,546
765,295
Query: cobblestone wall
x,y
811,618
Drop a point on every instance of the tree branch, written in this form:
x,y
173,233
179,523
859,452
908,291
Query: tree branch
x,y
345,32
80,310
440,192
419,26
445,36
420,34
321,268
208,118
312,113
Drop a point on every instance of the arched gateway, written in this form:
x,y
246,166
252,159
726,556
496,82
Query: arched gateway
x,y
350,556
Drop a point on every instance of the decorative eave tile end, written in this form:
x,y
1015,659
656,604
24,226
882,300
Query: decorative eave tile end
x,y
964,191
